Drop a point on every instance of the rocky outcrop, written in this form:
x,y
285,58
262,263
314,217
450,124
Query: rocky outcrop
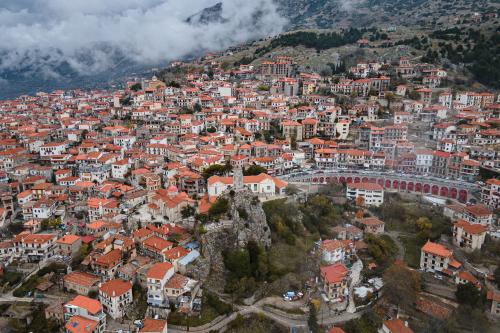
x,y
245,221
208,15
249,218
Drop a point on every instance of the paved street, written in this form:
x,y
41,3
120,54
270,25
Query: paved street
x,y
356,269
326,319
395,237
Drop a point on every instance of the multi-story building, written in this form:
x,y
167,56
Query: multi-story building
x,y
440,163
84,314
371,225
334,282
263,185
157,277
478,214
115,296
98,207
436,257
490,193
468,236
293,130
107,264
81,282
43,209
371,194
332,251
69,245
36,247
119,169
52,149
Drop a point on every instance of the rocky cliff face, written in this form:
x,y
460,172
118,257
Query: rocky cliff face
x,y
246,221
249,219
208,15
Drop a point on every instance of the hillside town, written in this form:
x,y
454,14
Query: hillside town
x,y
115,204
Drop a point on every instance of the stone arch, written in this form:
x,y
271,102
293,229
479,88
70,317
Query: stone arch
x,y
387,183
462,196
453,193
403,185
427,188
444,191
435,189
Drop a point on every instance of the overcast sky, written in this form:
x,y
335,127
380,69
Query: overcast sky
x,y
37,32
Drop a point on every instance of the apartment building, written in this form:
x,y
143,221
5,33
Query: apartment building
x,y
372,194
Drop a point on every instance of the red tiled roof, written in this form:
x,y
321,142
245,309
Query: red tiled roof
x,y
110,259
156,243
115,288
93,306
177,281
153,325
334,273
175,253
68,239
366,186
471,228
464,275
397,326
436,249
478,210
371,221
79,324
336,330
158,270
81,278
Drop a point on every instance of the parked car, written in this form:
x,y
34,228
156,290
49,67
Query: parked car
x,y
292,296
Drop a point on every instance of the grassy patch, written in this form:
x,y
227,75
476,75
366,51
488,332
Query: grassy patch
x,y
27,286
412,247
12,278
402,216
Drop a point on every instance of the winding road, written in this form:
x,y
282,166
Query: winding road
x,y
257,308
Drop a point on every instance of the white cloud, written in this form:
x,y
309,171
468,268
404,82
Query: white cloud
x,y
42,32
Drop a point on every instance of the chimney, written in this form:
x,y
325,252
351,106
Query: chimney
x,y
114,293
406,323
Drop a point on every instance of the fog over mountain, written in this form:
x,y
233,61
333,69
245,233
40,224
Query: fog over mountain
x,y
58,40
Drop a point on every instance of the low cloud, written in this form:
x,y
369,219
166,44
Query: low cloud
x,y
90,36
